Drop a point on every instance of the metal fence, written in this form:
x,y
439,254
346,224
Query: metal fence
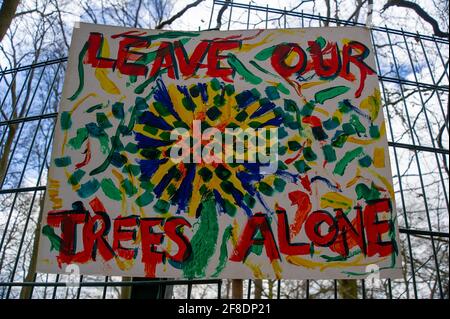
x,y
413,70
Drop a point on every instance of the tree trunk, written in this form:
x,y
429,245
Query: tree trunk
x,y
258,288
6,151
236,287
125,291
7,13
348,289
27,291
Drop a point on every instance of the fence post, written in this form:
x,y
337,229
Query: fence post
x,y
236,288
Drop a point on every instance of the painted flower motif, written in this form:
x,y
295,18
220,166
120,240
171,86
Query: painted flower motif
x,y
185,185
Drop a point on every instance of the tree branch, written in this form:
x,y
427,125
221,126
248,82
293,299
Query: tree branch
x,y
421,12
179,14
220,14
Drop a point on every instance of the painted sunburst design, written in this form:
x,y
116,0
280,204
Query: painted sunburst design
x,y
185,185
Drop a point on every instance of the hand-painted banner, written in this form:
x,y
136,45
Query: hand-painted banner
x,y
237,154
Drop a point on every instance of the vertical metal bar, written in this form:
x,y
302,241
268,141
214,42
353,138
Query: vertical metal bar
x,y
284,16
219,290
79,287
307,289
279,289
445,65
267,14
249,289
189,291
363,288
390,288
231,12
212,12
248,16
56,287
335,289
105,287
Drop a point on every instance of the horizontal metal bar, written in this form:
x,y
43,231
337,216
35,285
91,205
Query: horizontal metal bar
x,y
115,284
443,88
34,65
29,118
420,148
321,18
423,232
22,189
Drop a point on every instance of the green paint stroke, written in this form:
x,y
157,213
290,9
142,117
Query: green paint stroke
x,y
340,167
203,242
88,188
76,177
110,189
240,68
341,258
55,240
63,161
330,93
265,54
79,139
223,250
80,72
260,68
66,121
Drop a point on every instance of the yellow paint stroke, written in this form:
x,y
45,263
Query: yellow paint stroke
x,y
235,233
102,74
75,187
105,83
177,98
291,31
378,157
133,182
372,104
169,250
338,114
355,179
359,141
357,261
124,264
74,108
277,268
53,193
120,179
384,181
312,84
335,200
256,269
196,196
321,110
250,46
